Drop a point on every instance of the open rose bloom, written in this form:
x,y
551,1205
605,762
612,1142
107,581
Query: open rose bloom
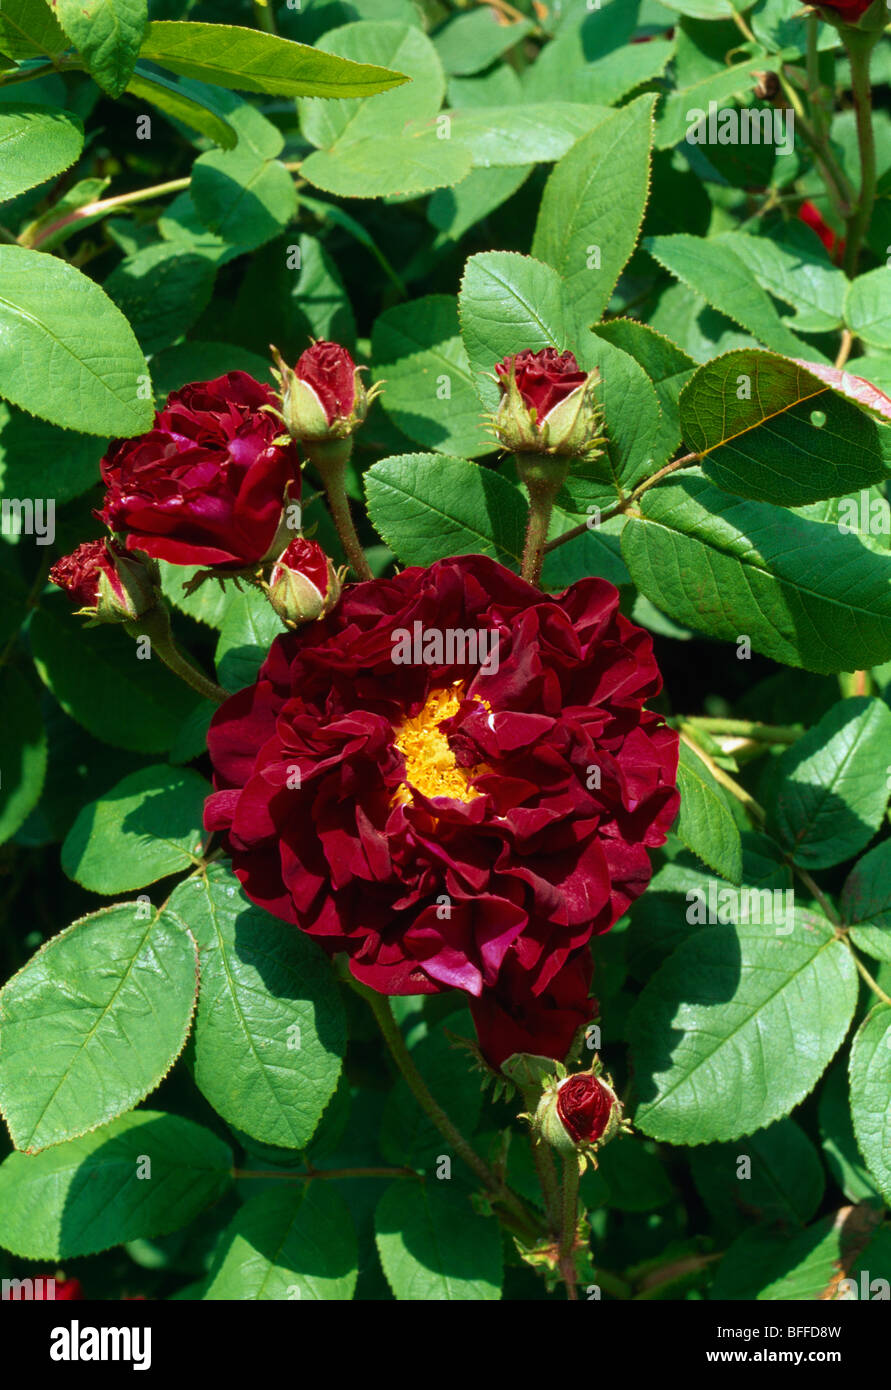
x,y
452,779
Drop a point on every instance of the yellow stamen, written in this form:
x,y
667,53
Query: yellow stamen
x,y
430,764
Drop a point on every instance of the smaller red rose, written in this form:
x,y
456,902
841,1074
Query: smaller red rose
x,y
544,378
847,10
331,372
303,585
106,583
585,1104
208,485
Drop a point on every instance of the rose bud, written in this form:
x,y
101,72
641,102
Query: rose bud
x,y
323,397
303,585
579,1112
850,11
106,583
547,405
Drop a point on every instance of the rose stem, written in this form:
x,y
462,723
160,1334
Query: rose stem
x,y
392,1035
543,1159
569,1223
155,624
331,458
860,46
264,17
543,476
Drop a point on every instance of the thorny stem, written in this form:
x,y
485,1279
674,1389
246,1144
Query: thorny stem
x,y
520,1218
625,503
860,46
9,79
569,1224
155,624
844,351
543,1159
104,205
746,728
331,458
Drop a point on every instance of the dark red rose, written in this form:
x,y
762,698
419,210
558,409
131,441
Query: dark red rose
x,y
104,581
208,484
510,1018
544,378
449,777
848,10
584,1104
331,372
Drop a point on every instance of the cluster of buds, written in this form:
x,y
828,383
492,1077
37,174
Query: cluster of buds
x,y
548,406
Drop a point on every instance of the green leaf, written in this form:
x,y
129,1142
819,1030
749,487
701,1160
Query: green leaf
x,y
432,1244
837,1135
107,34
781,1181
667,366
28,29
724,86
831,789
427,506
22,751
36,143
270,1031
809,1265
593,205
67,353
507,303
713,1032
374,167
866,902
250,625
247,60
468,43
98,678
868,307
182,105
706,823
242,196
418,352
94,1021
804,593
510,136
453,211
774,431
391,45
147,826
870,1071
138,1177
163,289
294,1242
712,268
796,270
